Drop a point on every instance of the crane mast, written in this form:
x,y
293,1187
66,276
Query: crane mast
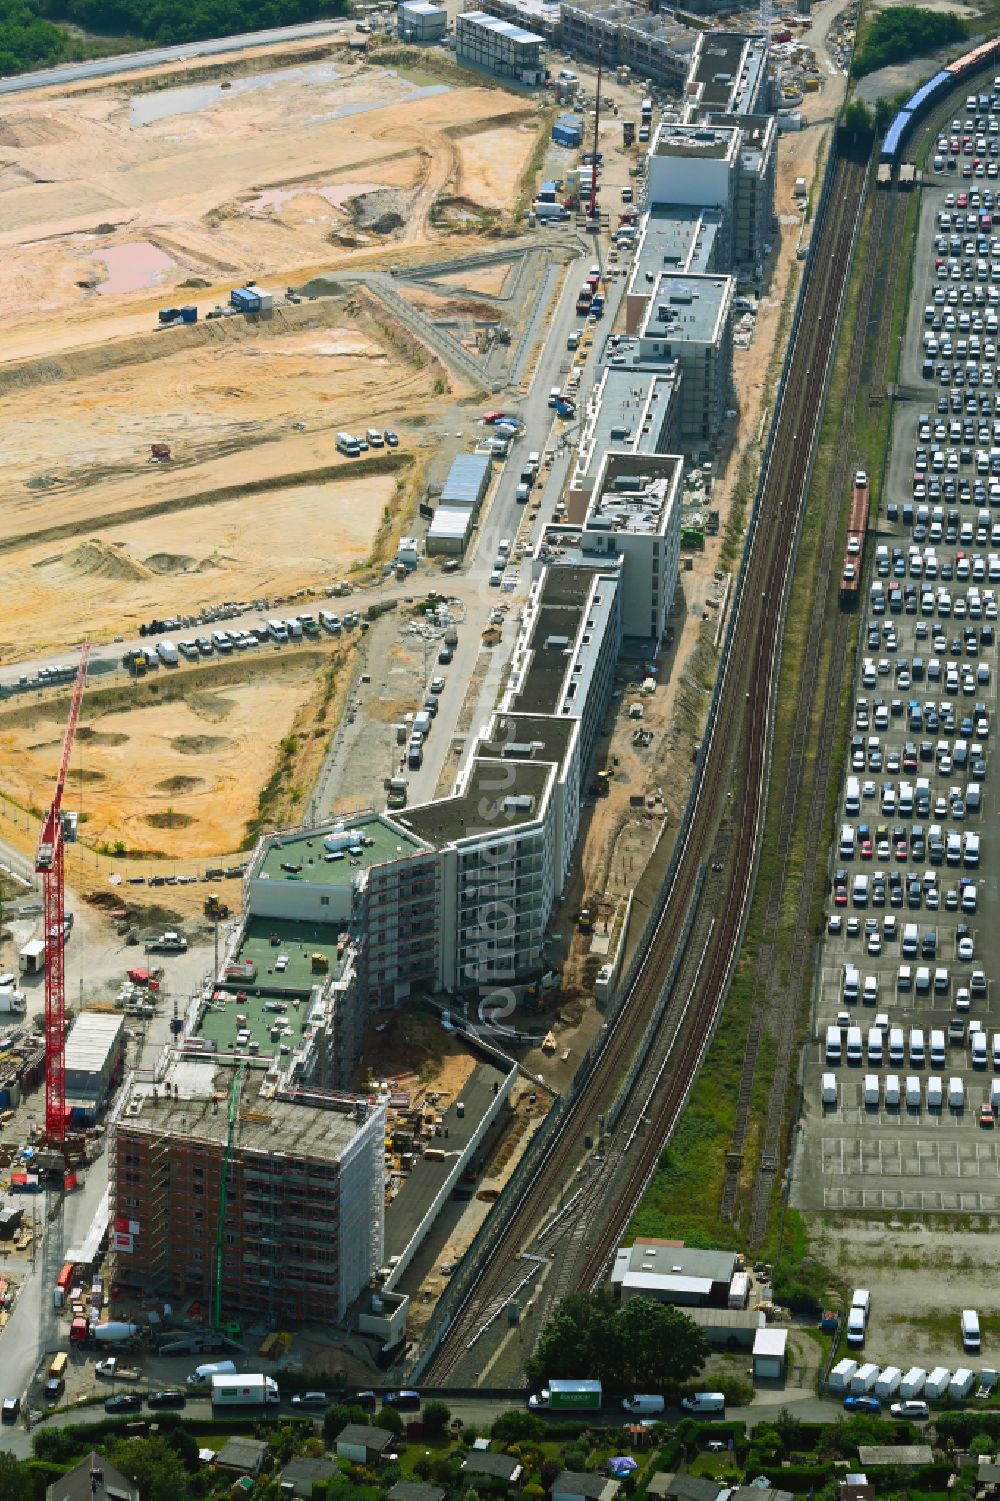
x,y
49,864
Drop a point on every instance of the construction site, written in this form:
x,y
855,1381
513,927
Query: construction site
x,y
276,252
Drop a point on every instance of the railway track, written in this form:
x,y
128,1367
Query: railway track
x,y
778,988
571,1212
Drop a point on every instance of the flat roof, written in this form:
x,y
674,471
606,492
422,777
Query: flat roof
x,y
630,411
770,1342
674,237
687,308
271,1127
717,67
501,28
305,855
634,494
406,1212
701,142
689,1261
524,737
490,804
569,597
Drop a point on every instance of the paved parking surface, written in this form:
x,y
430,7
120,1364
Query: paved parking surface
x,y
918,791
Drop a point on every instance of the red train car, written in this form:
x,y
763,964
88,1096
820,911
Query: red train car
x,y
977,58
850,577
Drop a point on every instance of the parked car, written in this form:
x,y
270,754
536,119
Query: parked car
x,y
913,1412
310,1399
862,1404
123,1402
168,1398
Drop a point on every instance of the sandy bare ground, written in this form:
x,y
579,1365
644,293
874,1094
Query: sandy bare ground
x,y
229,184
177,778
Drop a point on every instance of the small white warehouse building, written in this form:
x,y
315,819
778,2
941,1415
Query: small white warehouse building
x,y
769,1348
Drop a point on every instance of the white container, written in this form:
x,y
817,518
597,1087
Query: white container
x,y
840,1376
864,1378
888,1383
961,1383
937,1383
912,1383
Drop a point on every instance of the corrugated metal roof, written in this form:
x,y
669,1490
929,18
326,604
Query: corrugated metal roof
x,y
660,1282
91,1040
467,478
450,521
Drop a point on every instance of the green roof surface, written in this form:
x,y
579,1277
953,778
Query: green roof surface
x,y
297,941
307,850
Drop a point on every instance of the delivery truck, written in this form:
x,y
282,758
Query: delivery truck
x,y
568,1396
244,1391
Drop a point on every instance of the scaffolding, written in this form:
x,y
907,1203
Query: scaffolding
x,y
234,1109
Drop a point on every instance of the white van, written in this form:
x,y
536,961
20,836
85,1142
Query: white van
x,y
970,1331
935,1094
828,1089
833,1053
892,1091
937,1048
956,1094
202,1375
855,1052
912,1092
704,1402
897,1045
875,1044
644,1404
871,1090
917,1055
978,1042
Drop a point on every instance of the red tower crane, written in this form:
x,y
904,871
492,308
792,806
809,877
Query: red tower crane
x,y
592,205
49,865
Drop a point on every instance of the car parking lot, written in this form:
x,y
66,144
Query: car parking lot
x,y
902,1075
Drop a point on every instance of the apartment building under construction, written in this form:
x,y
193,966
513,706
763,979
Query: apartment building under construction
x,y
258,1206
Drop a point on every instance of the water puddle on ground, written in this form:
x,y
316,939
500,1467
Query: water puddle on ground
x,y
164,103
336,194
131,267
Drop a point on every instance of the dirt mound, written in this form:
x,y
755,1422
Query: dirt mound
x,y
80,774
106,561
33,130
169,562
199,745
210,706
89,736
168,820
381,212
180,784
195,282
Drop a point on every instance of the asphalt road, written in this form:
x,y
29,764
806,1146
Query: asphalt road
x,y
133,62
476,1411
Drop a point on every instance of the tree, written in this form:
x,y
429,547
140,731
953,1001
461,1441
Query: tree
x,y
981,1443
437,1416
858,119
641,1347
390,1419
153,1465
574,1339
338,1416
15,1481
906,31
514,1425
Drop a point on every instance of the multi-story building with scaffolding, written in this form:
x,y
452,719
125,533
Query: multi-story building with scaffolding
x,y
260,1201
656,47
728,75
